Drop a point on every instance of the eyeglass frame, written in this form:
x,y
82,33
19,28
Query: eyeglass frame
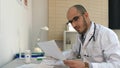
x,y
75,18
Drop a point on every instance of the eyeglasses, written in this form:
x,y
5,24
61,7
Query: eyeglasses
x,y
74,19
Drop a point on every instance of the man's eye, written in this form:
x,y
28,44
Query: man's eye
x,y
75,18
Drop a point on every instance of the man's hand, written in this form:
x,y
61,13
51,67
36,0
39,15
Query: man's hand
x,y
74,63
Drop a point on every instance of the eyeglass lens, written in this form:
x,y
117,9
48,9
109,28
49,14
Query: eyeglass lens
x,y
74,19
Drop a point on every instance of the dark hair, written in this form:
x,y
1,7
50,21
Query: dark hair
x,y
80,8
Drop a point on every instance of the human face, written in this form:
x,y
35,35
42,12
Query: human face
x,y
79,23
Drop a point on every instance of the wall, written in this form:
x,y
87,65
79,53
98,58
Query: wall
x,y
15,28
118,33
58,10
40,19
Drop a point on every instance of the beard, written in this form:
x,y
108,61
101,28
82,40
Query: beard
x,y
85,27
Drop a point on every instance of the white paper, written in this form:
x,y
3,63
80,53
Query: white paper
x,y
41,65
51,49
45,65
27,66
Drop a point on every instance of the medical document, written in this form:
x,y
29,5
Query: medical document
x,y
51,49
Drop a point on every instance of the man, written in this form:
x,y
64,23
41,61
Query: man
x,y
96,45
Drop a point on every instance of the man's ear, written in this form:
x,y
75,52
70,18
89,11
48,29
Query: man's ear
x,y
86,14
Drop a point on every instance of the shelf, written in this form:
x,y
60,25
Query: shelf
x,y
69,39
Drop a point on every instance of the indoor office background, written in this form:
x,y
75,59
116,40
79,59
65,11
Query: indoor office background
x,y
20,24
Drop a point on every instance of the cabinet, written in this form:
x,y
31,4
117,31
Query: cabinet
x,y
69,39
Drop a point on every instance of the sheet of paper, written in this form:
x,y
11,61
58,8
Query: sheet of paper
x,y
51,49
28,66
41,65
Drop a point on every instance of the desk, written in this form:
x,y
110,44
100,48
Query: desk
x,y
18,62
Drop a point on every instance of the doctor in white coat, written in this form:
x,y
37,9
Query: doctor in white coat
x,y
96,46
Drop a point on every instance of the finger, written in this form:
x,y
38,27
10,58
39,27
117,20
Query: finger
x,y
67,62
71,67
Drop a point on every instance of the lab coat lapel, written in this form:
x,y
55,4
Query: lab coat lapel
x,y
89,35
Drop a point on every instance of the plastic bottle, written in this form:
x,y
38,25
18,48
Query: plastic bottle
x,y
27,56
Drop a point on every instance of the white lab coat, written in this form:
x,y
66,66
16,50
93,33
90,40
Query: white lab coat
x,y
104,52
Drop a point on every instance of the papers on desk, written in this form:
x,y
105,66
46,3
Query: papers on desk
x,y
41,65
28,66
51,49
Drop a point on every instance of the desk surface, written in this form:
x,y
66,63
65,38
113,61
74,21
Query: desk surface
x,y
19,62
